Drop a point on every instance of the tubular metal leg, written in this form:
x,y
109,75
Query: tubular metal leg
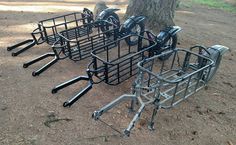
x,y
31,44
72,100
46,55
131,108
98,113
45,67
68,83
151,123
135,119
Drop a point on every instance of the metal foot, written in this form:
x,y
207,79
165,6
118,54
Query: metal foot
x,y
14,54
127,133
66,104
151,126
35,73
96,115
9,48
54,91
25,65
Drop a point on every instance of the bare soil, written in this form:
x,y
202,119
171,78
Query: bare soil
x,y
31,115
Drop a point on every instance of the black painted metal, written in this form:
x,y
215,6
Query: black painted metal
x,y
112,63
27,44
48,29
116,61
76,43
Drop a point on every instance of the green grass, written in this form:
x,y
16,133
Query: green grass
x,y
219,4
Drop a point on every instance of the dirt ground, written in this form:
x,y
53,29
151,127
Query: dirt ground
x,y
31,115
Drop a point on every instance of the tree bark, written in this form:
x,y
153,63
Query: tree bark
x,y
159,13
99,7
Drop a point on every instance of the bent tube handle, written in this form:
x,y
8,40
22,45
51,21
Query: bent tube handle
x,y
38,40
90,69
68,83
58,45
28,44
200,49
91,72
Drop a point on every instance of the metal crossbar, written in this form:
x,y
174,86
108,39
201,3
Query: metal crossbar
x,y
77,43
164,84
48,29
112,63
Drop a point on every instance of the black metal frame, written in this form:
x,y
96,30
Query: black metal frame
x,y
111,71
48,29
76,43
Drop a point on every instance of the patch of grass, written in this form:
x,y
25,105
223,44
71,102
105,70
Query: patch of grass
x,y
219,4
185,4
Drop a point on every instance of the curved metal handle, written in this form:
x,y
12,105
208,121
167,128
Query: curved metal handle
x,y
56,43
34,34
101,69
200,49
91,72
59,48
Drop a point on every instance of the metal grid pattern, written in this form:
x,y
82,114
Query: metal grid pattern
x,y
164,84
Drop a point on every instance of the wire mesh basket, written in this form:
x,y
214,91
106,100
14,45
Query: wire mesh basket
x,y
47,30
173,81
165,83
117,64
76,43
111,63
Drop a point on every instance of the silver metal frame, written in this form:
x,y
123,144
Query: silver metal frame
x,y
170,85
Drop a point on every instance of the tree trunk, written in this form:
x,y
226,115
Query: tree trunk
x,y
99,7
159,13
